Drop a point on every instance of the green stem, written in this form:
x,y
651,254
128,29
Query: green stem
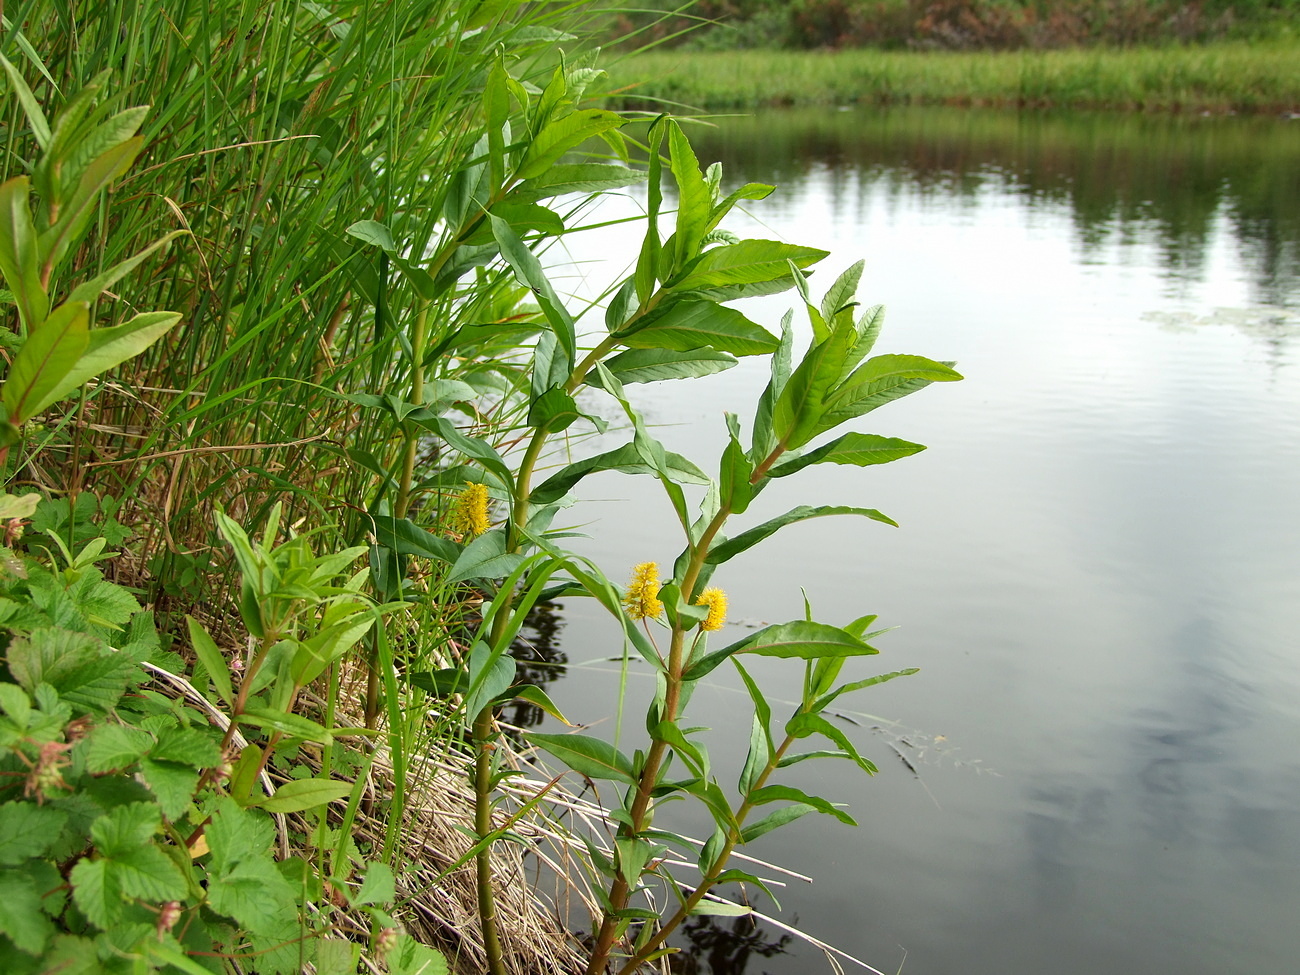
x,y
620,890
711,878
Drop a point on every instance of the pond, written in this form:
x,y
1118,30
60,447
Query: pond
x,y
1098,564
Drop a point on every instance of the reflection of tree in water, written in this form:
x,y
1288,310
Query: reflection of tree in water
x,y
1171,180
723,946
538,660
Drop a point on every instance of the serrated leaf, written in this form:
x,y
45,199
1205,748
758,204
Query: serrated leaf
x,y
114,747
171,783
21,918
747,539
589,756
27,830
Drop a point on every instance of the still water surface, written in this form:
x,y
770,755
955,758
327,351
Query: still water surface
x,y
1098,569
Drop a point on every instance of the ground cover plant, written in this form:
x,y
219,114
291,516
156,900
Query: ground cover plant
x,y
331,442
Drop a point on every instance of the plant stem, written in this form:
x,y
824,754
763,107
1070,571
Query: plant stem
x,y
711,878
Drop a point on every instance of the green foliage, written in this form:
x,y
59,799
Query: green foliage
x,y
131,796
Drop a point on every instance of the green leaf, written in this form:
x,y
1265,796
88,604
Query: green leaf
x,y
293,725
805,639
880,380
89,291
485,558
694,197
27,830
589,756
774,820
626,459
212,659
528,270
300,794
553,411
50,353
378,887
777,793
750,267
804,724
113,746
172,784
490,675
559,136
110,347
575,178
732,547
405,537
19,259
855,449
721,909
690,325
31,106
823,702
21,917
655,365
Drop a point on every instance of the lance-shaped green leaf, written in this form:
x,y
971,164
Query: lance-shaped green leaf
x,y
797,414
725,550
562,134
588,756
777,793
108,166
485,558
107,348
528,270
825,700
407,538
694,197
31,106
853,449
479,450
655,365
880,380
626,459
750,267
575,178
804,724
648,271
19,258
689,325
90,290
49,354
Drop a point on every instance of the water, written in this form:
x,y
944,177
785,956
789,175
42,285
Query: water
x,y
1098,569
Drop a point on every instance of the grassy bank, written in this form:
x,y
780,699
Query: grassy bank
x,y
1230,77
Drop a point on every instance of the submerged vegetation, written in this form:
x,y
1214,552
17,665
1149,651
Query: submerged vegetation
x,y
266,734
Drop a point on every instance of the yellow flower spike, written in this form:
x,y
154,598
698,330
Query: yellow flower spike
x,y
470,515
642,598
716,600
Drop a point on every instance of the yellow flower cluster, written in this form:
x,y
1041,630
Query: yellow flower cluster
x,y
642,597
716,600
469,517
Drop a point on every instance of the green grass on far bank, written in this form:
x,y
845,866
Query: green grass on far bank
x,y
1224,77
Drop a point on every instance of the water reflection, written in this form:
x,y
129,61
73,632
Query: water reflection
x,y
1124,179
